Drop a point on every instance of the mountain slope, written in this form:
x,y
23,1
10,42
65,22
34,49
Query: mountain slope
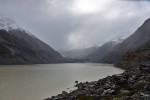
x,y
19,47
139,38
136,46
112,52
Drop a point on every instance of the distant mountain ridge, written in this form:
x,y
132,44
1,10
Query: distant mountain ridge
x,y
20,47
79,53
94,53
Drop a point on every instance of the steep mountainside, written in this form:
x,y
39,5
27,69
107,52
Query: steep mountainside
x,y
138,39
137,44
20,47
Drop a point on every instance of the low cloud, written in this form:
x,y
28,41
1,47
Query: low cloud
x,y
67,24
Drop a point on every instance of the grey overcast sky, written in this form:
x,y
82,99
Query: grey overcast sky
x,y
67,24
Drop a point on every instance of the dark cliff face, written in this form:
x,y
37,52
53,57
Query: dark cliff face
x,y
19,47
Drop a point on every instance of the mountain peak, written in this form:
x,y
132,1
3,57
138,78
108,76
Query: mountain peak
x,y
147,21
120,38
8,23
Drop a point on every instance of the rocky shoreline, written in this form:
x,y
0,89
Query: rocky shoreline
x,y
133,84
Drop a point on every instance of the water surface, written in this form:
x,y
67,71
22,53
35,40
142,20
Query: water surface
x,y
37,82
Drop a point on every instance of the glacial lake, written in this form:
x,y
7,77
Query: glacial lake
x,y
37,82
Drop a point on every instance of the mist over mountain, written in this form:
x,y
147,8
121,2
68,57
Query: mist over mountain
x,y
79,53
79,23
96,52
21,47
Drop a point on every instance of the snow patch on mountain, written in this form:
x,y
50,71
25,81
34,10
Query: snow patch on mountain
x,y
119,38
8,24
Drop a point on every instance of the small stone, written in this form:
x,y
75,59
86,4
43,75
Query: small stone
x,y
108,91
124,91
64,93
